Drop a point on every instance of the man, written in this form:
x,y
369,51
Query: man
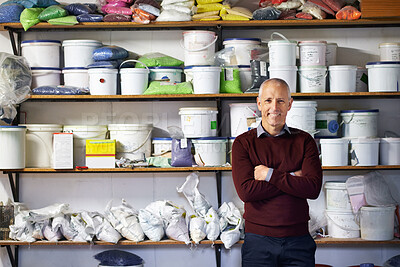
x,y
275,170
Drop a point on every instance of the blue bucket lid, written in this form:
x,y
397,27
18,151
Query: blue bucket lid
x,y
333,126
12,126
231,138
75,68
192,66
243,39
41,41
162,138
359,111
175,68
211,138
383,62
44,68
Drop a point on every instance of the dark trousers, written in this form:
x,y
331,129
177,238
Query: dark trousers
x,y
266,251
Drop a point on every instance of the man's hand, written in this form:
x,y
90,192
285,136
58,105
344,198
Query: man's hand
x,y
260,172
298,173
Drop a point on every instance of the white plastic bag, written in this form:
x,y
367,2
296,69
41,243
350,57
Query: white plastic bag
x,y
151,224
173,15
213,229
197,229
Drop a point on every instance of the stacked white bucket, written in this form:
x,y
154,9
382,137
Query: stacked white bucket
x,y
199,51
341,220
282,60
43,57
302,116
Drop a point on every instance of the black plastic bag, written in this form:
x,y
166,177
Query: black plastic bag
x,y
118,258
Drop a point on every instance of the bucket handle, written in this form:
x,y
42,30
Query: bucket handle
x,y
133,60
144,142
49,152
312,79
198,49
344,122
280,35
340,226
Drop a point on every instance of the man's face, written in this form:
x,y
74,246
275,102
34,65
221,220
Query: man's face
x,y
274,104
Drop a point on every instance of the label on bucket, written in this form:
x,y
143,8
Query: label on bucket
x,y
263,68
213,125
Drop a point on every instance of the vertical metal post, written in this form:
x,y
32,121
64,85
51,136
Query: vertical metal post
x,y
217,249
11,256
13,44
218,175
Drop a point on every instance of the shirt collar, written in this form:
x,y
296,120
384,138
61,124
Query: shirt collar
x,y
262,132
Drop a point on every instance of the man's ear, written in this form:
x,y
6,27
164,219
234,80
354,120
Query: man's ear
x,y
290,103
258,103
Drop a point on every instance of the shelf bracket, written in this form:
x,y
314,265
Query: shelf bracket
x,y
218,175
13,260
14,185
13,43
217,248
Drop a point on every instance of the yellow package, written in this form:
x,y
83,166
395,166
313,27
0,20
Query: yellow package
x,y
211,18
233,17
240,11
223,12
210,7
204,2
205,14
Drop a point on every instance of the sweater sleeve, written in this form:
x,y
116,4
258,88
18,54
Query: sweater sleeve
x,y
309,184
246,186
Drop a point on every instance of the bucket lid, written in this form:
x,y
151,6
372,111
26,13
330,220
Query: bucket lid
x,y
210,140
359,111
342,67
383,63
390,140
280,42
82,42
12,128
198,31
335,185
378,208
50,42
232,40
334,140
43,127
206,68
364,140
332,44
199,110
231,138
102,70
134,70
85,128
388,44
133,126
304,103
44,68
165,68
327,112
162,139
74,68
311,67
308,42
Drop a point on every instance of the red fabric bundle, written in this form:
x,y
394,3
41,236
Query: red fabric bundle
x,y
335,5
323,6
302,15
348,13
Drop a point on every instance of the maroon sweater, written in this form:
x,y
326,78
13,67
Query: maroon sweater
x,y
279,207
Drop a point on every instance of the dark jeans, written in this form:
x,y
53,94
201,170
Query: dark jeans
x,y
266,251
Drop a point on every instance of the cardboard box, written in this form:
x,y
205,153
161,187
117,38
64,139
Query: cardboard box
x,y
100,153
379,9
63,151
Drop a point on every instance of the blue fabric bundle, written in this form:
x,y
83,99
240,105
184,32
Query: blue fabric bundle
x,y
89,18
10,12
78,9
33,3
109,53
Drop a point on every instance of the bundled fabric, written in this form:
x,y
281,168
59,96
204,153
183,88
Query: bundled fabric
x,y
89,18
165,88
52,12
108,64
141,16
267,13
348,13
118,258
110,52
33,3
113,4
78,9
313,10
181,153
68,20
173,15
118,10
158,60
60,90
322,6
116,18
10,12
29,17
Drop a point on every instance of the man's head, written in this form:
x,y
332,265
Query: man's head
x,y
274,101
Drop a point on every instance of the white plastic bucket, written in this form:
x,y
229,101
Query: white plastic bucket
x,y
103,81
12,152
78,77
79,53
361,79
335,152
243,117
242,49
312,79
133,141
364,151
384,76
302,115
161,146
45,76
199,47
389,51
377,222
230,144
134,81
81,133
389,151
331,52
211,150
282,52
39,144
360,123
42,53
199,122
286,73
245,77
171,74
312,53
337,197
206,79
342,78
188,73
342,224
326,123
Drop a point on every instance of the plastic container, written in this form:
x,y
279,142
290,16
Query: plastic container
x,y
39,144
360,123
199,47
377,222
312,53
171,74
342,78
133,141
81,133
389,51
211,150
337,198
243,117
78,53
199,122
302,115
45,76
286,73
331,54
206,79
42,53
335,152
188,73
103,81
342,224
78,77
383,76
245,77
134,81
312,79
12,152
326,123
161,146
361,79
389,151
282,52
242,49
364,151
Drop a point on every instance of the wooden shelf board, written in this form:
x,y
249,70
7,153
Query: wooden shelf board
x,y
205,24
